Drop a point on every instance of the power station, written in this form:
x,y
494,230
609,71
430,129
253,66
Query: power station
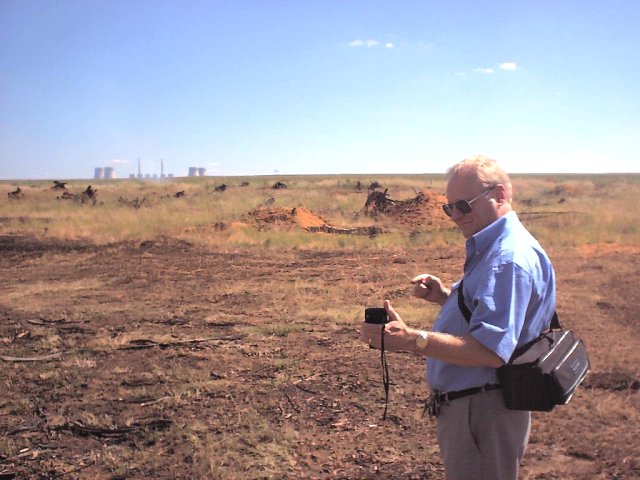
x,y
104,173
197,172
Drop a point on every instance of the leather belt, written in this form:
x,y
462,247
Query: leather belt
x,y
449,396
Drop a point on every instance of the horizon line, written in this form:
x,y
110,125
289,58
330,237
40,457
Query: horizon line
x,y
174,177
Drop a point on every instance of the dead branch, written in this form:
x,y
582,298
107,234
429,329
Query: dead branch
x,y
157,400
135,203
311,377
16,194
84,430
293,405
370,230
146,343
47,322
41,358
29,428
307,390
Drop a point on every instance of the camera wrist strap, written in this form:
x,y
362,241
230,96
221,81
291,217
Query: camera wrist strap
x,y
385,373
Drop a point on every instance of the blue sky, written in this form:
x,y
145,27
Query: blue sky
x,y
315,87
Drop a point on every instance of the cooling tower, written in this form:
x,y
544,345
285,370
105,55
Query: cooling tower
x,y
109,172
202,172
98,173
193,172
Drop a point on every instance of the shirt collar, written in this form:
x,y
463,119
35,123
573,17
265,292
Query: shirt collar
x,y
481,240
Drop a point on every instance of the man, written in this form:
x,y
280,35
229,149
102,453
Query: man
x,y
509,286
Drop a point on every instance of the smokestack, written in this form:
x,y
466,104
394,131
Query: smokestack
x,y
161,168
139,169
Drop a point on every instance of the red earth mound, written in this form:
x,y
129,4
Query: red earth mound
x,y
286,217
424,211
302,218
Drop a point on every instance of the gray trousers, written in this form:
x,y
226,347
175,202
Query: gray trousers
x,y
480,439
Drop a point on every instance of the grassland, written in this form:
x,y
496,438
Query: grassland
x,y
561,210
181,338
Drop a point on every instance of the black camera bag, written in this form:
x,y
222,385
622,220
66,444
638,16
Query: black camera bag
x,y
543,373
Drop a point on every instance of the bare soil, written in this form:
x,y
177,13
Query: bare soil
x,y
162,360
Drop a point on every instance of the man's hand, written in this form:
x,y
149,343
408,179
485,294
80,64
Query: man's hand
x,y
465,351
397,335
430,288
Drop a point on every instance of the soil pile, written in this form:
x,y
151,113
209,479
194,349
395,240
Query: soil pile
x,y
300,217
286,217
424,210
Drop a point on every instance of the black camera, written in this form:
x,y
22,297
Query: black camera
x,y
376,315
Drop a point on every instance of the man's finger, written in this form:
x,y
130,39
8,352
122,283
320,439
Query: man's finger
x,y
392,313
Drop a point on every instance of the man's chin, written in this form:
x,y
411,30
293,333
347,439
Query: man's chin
x,y
466,230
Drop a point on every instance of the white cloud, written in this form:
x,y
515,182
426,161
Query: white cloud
x,y
389,45
509,66
363,43
503,66
117,161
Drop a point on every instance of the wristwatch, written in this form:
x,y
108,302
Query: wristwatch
x,y
422,340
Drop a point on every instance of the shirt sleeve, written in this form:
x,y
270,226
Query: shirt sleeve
x,y
500,308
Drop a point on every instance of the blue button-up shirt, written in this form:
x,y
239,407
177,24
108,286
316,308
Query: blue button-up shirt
x,y
509,286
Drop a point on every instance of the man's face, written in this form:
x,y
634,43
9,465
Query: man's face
x,y
484,211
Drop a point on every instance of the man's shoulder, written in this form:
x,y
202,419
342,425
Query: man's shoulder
x,y
517,245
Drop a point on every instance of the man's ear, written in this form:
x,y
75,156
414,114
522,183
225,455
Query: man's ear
x,y
501,194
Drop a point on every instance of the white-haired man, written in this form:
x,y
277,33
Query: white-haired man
x,y
509,287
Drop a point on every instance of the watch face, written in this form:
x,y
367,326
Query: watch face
x,y
422,340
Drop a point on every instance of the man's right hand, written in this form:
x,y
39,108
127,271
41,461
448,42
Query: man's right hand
x,y
430,288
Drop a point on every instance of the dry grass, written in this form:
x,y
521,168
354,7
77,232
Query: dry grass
x,y
581,209
560,210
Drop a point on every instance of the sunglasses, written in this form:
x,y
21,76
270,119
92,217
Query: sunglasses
x,y
463,206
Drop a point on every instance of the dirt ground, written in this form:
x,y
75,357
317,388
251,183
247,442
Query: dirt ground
x,y
162,360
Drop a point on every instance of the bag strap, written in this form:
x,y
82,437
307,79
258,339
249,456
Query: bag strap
x,y
466,313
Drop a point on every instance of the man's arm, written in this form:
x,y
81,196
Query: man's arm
x,y
464,351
